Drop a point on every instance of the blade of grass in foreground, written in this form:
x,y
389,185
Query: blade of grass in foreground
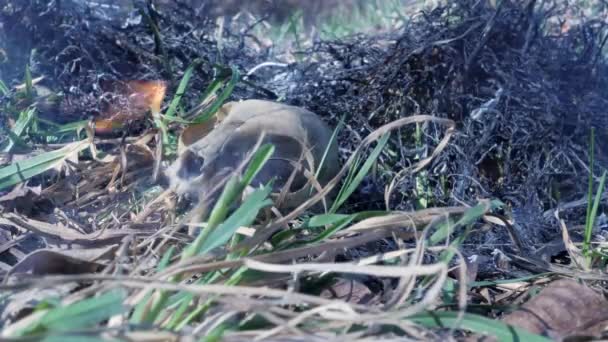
x,y
589,225
469,216
243,216
3,88
355,179
232,191
181,88
221,98
332,140
56,132
74,338
21,171
29,85
79,315
484,283
25,119
588,229
477,324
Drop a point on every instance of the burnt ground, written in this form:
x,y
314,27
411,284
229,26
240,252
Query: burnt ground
x,y
525,82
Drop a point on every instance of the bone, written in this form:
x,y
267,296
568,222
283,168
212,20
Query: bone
x,y
300,137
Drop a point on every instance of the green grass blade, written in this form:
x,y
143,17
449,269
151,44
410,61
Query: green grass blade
x,y
164,262
13,141
4,89
333,222
66,128
25,118
74,338
484,283
326,219
212,88
21,171
219,212
352,185
174,119
23,122
230,194
181,88
258,161
185,304
221,98
234,279
469,216
477,324
29,85
216,334
337,226
184,300
589,228
243,216
332,140
593,214
140,309
80,315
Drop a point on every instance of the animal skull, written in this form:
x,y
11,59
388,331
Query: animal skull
x,y
299,136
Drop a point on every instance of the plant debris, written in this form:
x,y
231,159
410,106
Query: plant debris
x,y
563,309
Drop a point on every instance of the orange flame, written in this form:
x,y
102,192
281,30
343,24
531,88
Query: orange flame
x,y
131,102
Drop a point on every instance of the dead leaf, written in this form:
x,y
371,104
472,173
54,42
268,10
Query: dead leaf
x,y
21,190
62,233
562,309
74,261
48,261
60,192
350,291
575,253
25,200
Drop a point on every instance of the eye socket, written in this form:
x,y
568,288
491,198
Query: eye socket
x,y
192,164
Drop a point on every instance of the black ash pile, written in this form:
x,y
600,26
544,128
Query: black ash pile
x,y
524,85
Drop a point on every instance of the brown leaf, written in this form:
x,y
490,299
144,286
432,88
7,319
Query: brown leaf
x,y
562,309
350,291
575,253
47,261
